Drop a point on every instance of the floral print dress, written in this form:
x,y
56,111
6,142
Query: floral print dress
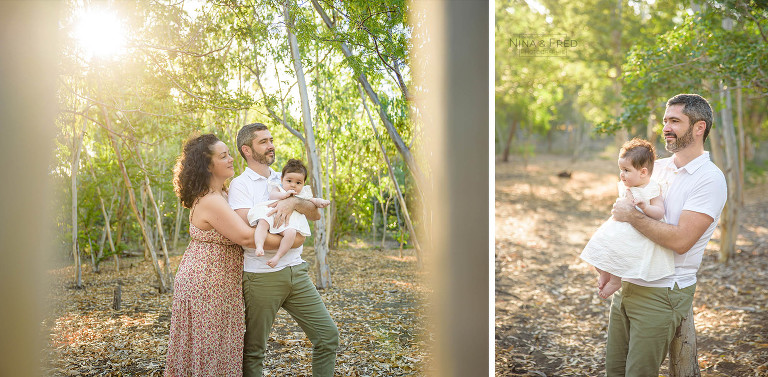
x,y
208,313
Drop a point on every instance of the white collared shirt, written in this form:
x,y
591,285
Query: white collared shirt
x,y
245,191
699,186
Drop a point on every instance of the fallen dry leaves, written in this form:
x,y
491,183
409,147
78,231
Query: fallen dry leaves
x,y
377,302
549,320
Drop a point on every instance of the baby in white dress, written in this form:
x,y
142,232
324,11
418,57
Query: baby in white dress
x,y
292,181
617,250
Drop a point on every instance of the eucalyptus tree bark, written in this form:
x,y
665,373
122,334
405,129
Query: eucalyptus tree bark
x,y
77,141
158,220
405,152
332,166
373,223
742,141
150,238
400,198
725,154
107,227
179,211
160,232
162,286
321,249
682,352
510,137
120,214
93,256
384,211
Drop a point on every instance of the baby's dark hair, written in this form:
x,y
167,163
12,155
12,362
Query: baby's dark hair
x,y
641,153
295,166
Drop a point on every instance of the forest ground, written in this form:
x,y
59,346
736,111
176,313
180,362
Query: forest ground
x,y
376,300
549,318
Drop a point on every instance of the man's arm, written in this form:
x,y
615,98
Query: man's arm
x,y
272,242
679,238
283,209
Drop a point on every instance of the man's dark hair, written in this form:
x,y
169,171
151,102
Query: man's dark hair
x,y
246,135
696,108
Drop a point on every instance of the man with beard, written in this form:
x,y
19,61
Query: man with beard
x,y
287,285
645,314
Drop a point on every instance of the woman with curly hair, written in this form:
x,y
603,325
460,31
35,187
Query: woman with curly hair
x,y
208,314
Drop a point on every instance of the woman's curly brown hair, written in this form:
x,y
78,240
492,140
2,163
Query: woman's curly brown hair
x,y
191,176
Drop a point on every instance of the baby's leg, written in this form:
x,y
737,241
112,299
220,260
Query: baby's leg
x,y
260,234
613,285
288,236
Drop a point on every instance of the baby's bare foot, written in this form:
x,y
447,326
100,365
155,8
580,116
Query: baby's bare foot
x,y
602,279
272,262
259,251
610,288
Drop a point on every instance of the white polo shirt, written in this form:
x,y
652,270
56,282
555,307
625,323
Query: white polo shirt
x,y
699,186
245,191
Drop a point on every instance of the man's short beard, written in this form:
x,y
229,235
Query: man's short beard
x,y
680,142
263,158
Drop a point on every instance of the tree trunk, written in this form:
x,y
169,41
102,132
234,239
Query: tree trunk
x,y
78,141
179,211
162,287
579,135
150,239
160,232
373,222
742,141
682,352
93,256
107,228
384,219
332,175
510,137
321,250
400,198
729,220
405,152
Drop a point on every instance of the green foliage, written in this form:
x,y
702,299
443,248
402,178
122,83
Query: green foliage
x,y
692,58
210,68
581,85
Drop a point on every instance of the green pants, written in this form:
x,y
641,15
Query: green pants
x,y
291,289
642,324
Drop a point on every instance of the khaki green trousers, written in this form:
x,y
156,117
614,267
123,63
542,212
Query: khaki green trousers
x,y
293,290
642,324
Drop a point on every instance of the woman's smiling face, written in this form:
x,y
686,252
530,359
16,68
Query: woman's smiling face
x,y
221,161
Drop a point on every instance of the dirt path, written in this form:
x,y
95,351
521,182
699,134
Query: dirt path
x,y
549,319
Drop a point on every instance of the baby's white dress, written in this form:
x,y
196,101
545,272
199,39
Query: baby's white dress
x,y
618,248
296,221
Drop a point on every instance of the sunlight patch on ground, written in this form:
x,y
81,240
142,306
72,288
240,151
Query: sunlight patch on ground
x,y
405,258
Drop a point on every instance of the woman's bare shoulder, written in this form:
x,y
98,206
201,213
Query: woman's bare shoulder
x,y
212,201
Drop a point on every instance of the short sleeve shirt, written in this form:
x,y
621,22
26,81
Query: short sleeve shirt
x,y
245,191
699,186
